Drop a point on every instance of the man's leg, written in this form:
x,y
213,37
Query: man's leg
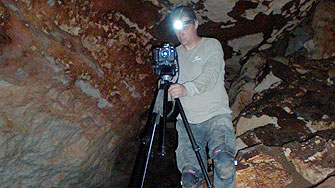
x,y
222,149
187,161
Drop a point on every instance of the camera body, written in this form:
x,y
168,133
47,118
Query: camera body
x,y
165,61
166,53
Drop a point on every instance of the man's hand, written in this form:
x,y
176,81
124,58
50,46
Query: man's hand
x,y
159,82
177,90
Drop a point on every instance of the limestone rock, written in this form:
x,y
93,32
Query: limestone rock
x,y
289,105
323,26
242,89
329,183
298,38
69,82
314,159
287,119
296,164
256,168
51,135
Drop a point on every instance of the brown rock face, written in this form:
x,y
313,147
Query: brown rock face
x,y
314,160
258,169
290,114
324,27
69,82
76,85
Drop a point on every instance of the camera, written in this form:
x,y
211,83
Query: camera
x,y
165,61
166,53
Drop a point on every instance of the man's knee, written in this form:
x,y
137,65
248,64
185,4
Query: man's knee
x,y
224,166
191,178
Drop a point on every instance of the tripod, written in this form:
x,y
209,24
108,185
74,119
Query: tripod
x,y
160,109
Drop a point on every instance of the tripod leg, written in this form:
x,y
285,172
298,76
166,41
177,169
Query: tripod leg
x,y
163,125
195,147
142,160
150,148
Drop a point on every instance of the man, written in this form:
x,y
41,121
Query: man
x,y
205,102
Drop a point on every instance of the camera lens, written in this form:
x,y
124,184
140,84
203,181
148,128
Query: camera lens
x,y
165,53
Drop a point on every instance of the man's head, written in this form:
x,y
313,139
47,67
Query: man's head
x,y
178,13
185,24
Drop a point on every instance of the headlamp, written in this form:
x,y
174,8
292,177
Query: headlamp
x,y
179,25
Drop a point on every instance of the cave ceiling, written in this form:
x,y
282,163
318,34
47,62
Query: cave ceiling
x,y
242,26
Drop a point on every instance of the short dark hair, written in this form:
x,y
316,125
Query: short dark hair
x,y
183,11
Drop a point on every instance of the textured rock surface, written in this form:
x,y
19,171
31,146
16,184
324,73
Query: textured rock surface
x,y
242,89
257,168
292,118
68,84
75,85
51,135
324,27
329,183
314,160
295,164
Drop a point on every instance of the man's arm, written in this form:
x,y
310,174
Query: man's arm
x,y
209,76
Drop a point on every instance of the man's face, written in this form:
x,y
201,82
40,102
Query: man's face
x,y
188,33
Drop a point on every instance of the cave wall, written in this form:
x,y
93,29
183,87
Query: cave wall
x,y
76,85
284,125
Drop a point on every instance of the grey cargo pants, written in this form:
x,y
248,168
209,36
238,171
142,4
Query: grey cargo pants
x,y
218,134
